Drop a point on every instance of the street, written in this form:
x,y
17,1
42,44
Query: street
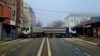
x,y
48,47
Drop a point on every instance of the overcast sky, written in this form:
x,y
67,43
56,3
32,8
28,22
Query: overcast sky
x,y
59,9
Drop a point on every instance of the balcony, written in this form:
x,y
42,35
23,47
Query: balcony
x,y
5,14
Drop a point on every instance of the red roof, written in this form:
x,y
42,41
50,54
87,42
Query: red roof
x,y
84,23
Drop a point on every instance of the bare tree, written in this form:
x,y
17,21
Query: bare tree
x,y
38,24
56,23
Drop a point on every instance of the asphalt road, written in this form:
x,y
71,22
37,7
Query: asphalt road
x,y
60,47
85,47
25,49
45,47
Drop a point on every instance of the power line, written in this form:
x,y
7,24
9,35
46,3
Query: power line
x,y
64,11
46,15
50,10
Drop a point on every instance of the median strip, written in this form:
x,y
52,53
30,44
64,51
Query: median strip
x,y
41,47
49,50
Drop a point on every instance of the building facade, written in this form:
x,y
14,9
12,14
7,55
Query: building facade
x,y
95,23
75,18
19,16
79,20
29,19
8,17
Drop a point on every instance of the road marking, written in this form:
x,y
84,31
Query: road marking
x,y
41,47
49,50
13,49
4,55
86,54
77,48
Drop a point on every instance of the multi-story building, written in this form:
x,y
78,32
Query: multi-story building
x,y
8,17
19,16
79,20
29,19
73,19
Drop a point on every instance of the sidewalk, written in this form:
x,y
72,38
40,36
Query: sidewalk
x,y
3,42
92,41
86,40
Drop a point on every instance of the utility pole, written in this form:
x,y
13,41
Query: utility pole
x,y
83,32
0,31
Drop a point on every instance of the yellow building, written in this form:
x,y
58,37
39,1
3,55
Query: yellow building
x,y
29,18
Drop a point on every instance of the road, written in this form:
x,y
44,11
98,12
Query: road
x,y
43,47
84,46
62,48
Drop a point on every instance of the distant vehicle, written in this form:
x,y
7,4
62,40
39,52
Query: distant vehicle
x,y
26,33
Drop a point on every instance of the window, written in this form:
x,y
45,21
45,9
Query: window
x,y
5,1
14,13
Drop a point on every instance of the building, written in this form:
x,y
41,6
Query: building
x,y
8,17
95,23
29,19
75,18
79,20
19,16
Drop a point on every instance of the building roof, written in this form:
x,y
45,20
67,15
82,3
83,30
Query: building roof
x,y
84,14
84,23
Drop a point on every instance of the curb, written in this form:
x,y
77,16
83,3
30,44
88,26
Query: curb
x,y
91,42
9,42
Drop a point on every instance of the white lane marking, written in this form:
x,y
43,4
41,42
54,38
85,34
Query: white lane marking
x,y
49,50
41,47
77,48
4,55
86,54
13,49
